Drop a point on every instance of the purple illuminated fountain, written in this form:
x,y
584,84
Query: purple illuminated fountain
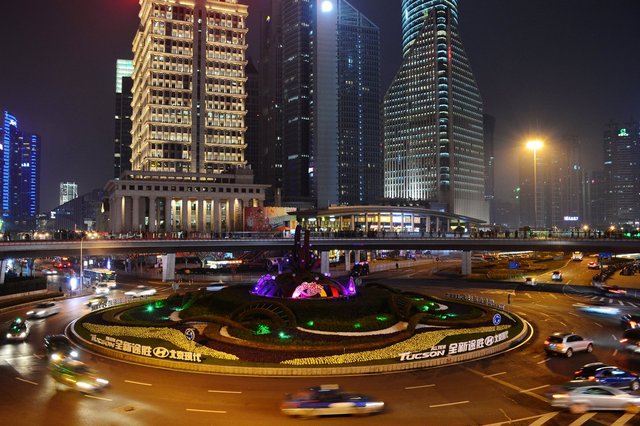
x,y
302,283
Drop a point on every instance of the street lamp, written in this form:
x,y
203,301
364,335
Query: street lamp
x,y
535,145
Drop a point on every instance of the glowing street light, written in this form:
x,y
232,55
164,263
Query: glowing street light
x,y
535,145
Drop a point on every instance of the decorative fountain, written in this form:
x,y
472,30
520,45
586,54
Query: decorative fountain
x,y
302,282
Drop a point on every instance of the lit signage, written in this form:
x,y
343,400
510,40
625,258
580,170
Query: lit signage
x,y
571,218
13,123
623,132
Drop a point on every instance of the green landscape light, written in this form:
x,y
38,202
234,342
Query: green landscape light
x,y
283,335
150,308
263,329
382,318
310,323
357,325
425,308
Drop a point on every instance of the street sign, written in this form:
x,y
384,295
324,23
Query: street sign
x,y
605,255
190,334
496,319
514,264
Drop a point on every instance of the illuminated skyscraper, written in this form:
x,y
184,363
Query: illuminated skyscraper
x,y
323,56
122,139
188,171
68,191
20,176
433,128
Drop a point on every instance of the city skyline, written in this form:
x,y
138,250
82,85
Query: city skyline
x,y
569,80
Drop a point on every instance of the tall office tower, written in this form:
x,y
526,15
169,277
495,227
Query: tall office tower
x,y
252,120
535,192
596,195
433,136
188,171
569,178
68,191
328,96
621,161
124,97
489,126
20,176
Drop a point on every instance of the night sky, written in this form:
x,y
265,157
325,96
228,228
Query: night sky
x,y
545,67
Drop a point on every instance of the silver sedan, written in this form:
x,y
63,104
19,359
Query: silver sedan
x,y
585,398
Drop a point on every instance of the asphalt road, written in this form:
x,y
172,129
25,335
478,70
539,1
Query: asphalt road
x,y
505,389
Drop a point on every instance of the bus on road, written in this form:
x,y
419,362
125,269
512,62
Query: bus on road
x,y
93,276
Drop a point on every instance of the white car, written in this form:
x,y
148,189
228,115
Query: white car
x,y
556,276
530,281
102,288
44,309
141,291
566,344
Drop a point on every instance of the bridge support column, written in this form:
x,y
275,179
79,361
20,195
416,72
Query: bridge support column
x,y
168,267
357,257
3,267
324,262
347,260
466,262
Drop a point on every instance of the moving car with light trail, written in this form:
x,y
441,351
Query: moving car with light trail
x,y
141,291
76,375
329,400
630,321
18,330
58,347
600,397
608,375
44,309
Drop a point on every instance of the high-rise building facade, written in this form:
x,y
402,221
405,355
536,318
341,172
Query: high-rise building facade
x,y
621,167
124,97
489,127
68,191
433,125
188,171
324,59
20,176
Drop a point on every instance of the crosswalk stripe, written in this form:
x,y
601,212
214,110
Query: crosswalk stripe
x,y
623,420
508,422
583,419
620,302
542,420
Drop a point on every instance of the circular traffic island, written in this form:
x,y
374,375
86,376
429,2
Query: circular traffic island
x,y
326,329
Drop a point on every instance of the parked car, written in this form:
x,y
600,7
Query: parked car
x,y
630,321
608,375
44,309
73,374
530,281
597,397
58,346
141,291
630,340
18,330
556,276
566,344
328,400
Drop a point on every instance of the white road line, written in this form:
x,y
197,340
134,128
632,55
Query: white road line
x,y
615,352
633,304
38,356
575,315
528,295
550,294
495,374
583,419
610,301
546,416
543,361
620,302
542,420
27,381
599,325
563,324
614,337
206,411
98,397
223,391
623,420
449,404
138,383
532,389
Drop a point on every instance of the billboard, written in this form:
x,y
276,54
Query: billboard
x,y
267,219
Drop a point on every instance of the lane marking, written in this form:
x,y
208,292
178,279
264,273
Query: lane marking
x,y
542,420
599,325
38,356
495,374
623,420
524,419
98,397
583,419
138,383
552,295
565,325
614,337
575,315
507,384
223,391
543,361
195,410
532,389
27,381
620,302
449,404
528,295
615,352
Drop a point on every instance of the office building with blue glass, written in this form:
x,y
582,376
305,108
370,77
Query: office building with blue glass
x,y
433,116
20,176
